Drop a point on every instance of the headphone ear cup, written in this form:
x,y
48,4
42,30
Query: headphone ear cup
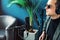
x,y
58,10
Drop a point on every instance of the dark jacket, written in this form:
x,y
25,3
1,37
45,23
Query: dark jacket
x,y
56,35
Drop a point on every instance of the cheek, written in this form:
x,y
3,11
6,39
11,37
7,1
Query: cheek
x,y
51,11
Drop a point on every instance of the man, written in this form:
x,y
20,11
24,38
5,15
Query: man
x,y
51,30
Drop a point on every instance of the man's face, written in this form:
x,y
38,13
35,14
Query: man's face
x,y
51,7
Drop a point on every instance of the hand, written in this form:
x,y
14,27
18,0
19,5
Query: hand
x,y
42,37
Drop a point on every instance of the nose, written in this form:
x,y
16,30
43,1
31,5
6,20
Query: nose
x,y
46,7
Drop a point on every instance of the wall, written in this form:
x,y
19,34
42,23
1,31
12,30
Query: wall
x,y
0,4
21,13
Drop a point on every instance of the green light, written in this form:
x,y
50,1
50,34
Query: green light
x,y
29,10
20,2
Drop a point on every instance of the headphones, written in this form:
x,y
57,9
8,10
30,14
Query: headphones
x,y
58,7
58,10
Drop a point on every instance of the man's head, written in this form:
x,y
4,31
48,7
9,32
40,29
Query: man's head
x,y
52,7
